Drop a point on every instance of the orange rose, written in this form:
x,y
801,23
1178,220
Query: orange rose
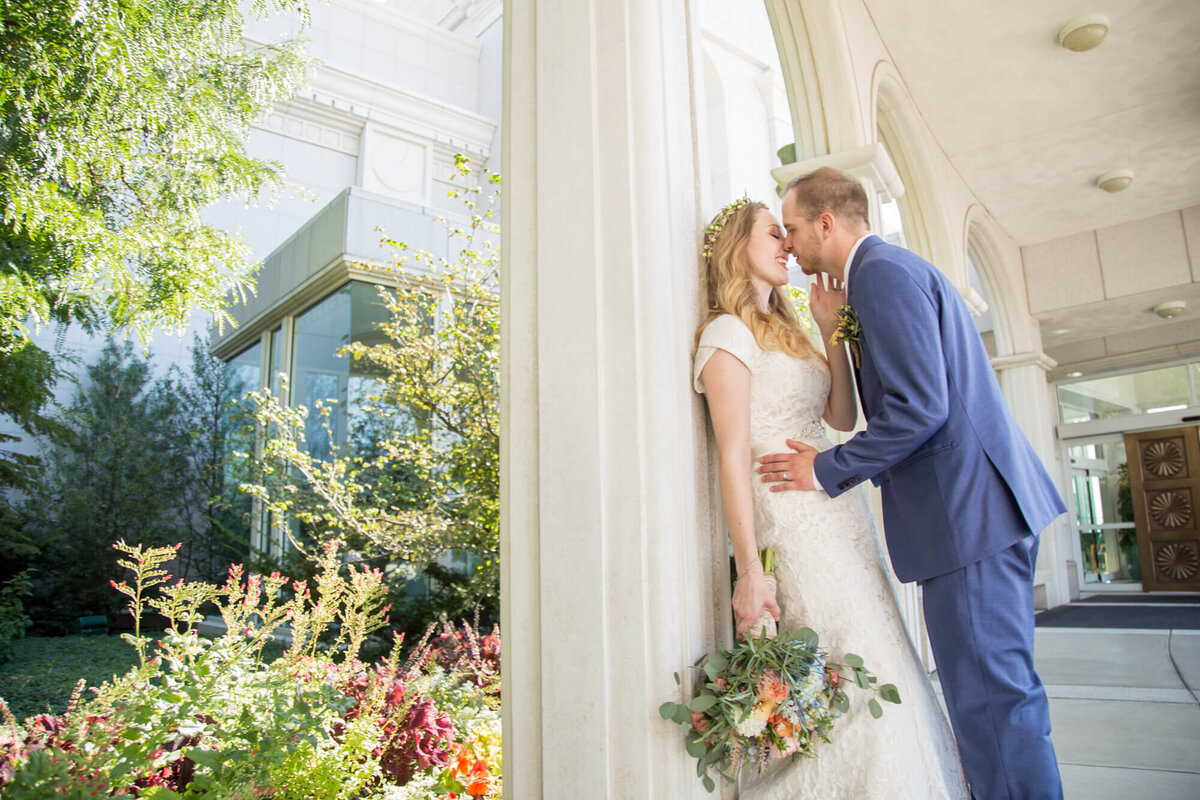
x,y
479,787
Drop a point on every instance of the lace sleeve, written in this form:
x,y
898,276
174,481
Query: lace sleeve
x,y
726,333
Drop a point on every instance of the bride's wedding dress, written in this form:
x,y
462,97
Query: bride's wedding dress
x,y
832,577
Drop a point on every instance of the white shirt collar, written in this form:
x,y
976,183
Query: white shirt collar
x,y
850,260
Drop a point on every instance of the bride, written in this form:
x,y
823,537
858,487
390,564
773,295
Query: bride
x,y
765,383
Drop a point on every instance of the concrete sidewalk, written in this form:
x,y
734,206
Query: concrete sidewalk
x,y
1125,711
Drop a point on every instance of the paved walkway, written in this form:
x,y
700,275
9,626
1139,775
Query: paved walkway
x,y
1125,711
1124,708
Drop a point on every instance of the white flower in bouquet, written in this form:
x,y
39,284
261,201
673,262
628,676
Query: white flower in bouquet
x,y
755,722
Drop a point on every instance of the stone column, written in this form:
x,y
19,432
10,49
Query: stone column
x,y
607,559
1023,381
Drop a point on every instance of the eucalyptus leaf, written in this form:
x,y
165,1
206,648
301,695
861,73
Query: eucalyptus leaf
x,y
709,784
667,711
860,680
890,693
851,660
875,708
702,703
696,748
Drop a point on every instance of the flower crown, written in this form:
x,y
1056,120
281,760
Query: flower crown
x,y
718,223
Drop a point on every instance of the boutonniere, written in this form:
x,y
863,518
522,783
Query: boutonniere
x,y
848,330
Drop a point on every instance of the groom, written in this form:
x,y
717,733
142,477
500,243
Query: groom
x,y
964,494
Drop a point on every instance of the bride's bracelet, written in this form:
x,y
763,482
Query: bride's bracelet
x,y
749,567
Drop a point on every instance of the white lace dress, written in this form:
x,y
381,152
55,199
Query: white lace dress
x,y
833,578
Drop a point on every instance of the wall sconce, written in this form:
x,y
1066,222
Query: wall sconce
x,y
1084,33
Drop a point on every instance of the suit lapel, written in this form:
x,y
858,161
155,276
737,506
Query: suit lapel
x,y
868,243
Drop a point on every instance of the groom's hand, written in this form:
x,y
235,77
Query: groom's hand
x,y
789,470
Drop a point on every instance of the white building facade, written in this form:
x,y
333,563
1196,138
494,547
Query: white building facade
x,y
981,140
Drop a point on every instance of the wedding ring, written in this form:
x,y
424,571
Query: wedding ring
x,y
785,477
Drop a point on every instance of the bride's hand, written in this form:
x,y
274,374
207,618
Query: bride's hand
x,y
825,296
751,596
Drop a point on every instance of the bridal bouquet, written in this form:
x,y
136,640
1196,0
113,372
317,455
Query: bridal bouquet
x,y
770,696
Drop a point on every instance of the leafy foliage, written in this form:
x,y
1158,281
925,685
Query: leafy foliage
x,y
120,120
421,478
213,718
13,619
768,697
138,460
113,474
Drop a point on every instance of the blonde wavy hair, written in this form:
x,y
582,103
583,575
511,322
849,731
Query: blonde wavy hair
x,y
729,289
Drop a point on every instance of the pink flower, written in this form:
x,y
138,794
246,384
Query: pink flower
x,y
699,721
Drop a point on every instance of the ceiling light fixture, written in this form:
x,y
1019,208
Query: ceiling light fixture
x,y
1170,309
1116,181
1083,33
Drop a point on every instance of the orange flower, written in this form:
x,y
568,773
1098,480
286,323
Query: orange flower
x,y
479,787
781,726
771,688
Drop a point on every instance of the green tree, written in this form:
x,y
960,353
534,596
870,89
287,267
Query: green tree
x,y
210,425
120,120
419,477
118,471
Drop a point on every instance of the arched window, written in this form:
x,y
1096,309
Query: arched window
x,y
745,114
984,320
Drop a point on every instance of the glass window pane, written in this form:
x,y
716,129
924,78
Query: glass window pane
x,y
351,314
984,322
1104,511
275,341
246,370
319,374
1166,389
244,375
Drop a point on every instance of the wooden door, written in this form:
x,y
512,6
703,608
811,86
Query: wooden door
x,y
1164,476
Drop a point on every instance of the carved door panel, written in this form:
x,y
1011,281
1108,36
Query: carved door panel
x,y
1164,476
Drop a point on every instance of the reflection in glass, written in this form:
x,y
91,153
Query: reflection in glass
x,y
244,373
1147,392
321,376
275,344
246,369
1104,512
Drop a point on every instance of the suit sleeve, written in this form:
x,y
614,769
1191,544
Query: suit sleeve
x,y
901,328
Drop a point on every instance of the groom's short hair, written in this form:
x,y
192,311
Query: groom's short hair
x,y
829,189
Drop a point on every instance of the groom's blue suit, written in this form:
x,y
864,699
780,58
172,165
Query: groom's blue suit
x,y
964,497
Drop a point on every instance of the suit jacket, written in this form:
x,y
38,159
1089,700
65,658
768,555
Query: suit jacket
x,y
959,480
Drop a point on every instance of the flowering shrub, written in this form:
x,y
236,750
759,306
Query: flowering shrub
x,y
212,718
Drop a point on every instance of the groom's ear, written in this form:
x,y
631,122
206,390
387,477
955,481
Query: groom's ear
x,y
828,224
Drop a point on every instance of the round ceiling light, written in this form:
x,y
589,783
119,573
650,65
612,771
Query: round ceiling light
x,y
1170,309
1083,33
1116,181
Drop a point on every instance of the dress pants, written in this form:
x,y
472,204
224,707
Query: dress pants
x,y
980,623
